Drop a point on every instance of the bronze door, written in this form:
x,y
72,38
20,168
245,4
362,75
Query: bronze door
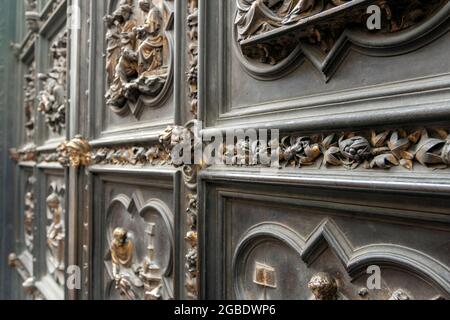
x,y
121,181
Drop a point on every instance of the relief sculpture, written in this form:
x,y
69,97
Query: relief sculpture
x,y
403,148
139,55
29,100
52,100
273,262
124,270
32,15
28,220
135,281
271,31
139,256
259,16
56,233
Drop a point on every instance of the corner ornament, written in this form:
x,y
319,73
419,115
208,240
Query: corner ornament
x,y
75,153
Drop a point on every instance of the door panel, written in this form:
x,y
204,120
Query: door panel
x,y
290,246
135,234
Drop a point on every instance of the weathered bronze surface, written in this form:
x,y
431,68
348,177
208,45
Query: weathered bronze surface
x,y
113,93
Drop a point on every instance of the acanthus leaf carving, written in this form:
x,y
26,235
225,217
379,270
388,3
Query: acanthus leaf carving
x,y
406,148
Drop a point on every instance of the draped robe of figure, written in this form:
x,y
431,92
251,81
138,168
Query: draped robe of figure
x,y
152,73
306,8
260,16
55,238
255,16
123,265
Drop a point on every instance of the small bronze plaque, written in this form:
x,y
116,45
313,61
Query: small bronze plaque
x,y
265,275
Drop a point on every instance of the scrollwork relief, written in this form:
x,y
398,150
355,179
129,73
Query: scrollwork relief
x,y
192,74
27,153
133,155
139,55
190,171
182,136
407,148
268,32
51,8
52,100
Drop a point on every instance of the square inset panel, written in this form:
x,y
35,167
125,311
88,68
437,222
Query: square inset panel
x,y
52,226
134,235
259,59
282,242
133,60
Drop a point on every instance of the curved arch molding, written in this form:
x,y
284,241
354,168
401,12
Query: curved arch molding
x,y
328,236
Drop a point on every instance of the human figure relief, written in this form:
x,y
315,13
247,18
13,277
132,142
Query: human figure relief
x,y
28,220
256,16
306,8
52,98
152,73
123,267
137,65
55,238
260,16
125,69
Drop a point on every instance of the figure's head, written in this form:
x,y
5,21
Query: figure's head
x,y
323,286
119,236
53,201
145,5
155,20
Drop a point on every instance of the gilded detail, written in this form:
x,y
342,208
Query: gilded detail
x,y
73,153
